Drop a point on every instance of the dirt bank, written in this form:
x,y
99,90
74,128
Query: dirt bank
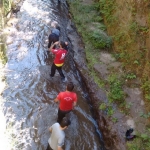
x,y
113,131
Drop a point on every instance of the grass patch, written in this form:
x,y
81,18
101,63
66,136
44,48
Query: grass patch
x,y
142,142
91,28
116,93
106,8
5,7
89,24
3,58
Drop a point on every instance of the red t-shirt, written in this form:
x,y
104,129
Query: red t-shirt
x,y
66,100
60,55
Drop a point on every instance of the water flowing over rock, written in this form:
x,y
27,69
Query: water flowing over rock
x,y
28,108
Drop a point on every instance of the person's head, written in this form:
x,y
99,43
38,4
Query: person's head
x,y
62,44
54,24
57,27
70,86
65,123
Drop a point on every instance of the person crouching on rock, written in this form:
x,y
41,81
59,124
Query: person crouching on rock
x,y
129,136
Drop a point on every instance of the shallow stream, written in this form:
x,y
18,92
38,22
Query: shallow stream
x,y
29,107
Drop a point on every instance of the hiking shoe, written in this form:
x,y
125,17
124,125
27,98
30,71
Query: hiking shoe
x,y
63,79
51,77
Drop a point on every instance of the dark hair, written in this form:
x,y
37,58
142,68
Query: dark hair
x,y
65,122
57,27
63,45
70,86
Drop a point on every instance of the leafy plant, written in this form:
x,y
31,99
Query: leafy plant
x,y
100,40
145,115
103,106
140,142
136,62
130,76
134,26
116,92
147,96
106,8
6,5
110,111
128,105
114,120
146,85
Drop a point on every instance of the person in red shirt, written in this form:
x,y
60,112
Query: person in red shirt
x,y
60,55
67,101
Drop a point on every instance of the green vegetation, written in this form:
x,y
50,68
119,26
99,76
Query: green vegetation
x,y
91,28
108,109
106,8
145,115
142,141
6,4
89,20
116,93
2,45
103,106
131,47
130,76
5,7
146,88
129,38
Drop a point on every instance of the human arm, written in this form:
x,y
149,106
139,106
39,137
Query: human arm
x,y
74,104
56,100
52,46
75,101
59,148
66,46
50,129
60,143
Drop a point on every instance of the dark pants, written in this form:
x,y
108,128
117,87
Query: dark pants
x,y
53,69
48,147
61,115
52,39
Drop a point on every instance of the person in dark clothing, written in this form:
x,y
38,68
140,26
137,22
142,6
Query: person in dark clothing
x,y
54,35
129,135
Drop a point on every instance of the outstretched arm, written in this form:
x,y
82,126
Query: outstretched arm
x,y
56,100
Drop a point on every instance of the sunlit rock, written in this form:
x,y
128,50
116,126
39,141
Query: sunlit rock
x,y
106,58
130,123
10,30
9,40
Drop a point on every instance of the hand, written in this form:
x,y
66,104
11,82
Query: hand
x,y
66,43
